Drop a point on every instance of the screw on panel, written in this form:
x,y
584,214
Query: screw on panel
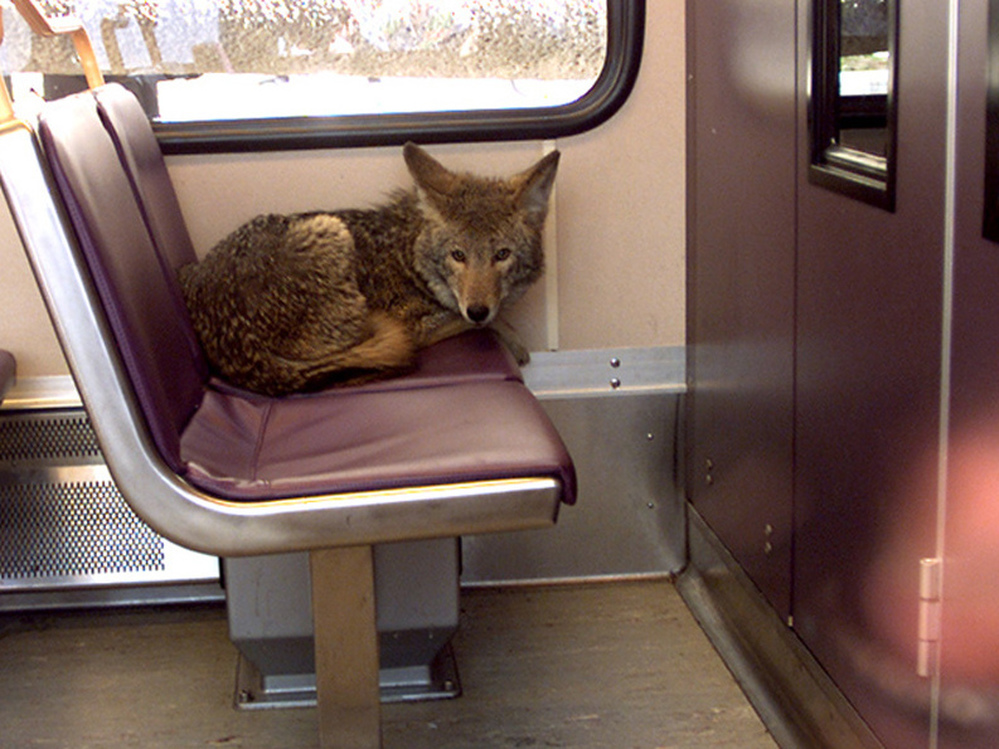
x,y
615,362
615,383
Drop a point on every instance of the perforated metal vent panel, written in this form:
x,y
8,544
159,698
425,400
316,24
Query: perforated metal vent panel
x,y
48,438
70,529
64,525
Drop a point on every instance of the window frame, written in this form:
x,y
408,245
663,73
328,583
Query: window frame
x,y
857,174
625,41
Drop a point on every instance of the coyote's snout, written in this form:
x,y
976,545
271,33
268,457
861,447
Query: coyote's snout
x,y
477,284
298,302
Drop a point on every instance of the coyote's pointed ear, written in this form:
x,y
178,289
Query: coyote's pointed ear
x,y
534,187
431,177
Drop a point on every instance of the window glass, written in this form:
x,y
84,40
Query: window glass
x,y
864,60
224,60
853,99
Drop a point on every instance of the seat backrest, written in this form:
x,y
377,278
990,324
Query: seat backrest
x,y
137,292
139,151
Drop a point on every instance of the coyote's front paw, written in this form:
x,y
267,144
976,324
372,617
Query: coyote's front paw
x,y
508,335
520,353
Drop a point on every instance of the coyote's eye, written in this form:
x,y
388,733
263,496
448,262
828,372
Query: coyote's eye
x,y
458,256
501,254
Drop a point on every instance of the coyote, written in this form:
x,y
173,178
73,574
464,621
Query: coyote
x,y
299,302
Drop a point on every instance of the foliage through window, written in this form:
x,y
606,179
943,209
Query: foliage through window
x,y
202,61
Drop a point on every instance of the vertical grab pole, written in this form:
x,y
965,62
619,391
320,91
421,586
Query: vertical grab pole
x,y
949,251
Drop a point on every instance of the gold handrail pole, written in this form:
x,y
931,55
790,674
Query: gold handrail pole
x,y
45,26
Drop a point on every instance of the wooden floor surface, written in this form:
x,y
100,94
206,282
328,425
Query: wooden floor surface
x,y
616,665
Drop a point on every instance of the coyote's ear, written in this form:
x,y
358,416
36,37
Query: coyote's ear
x,y
534,187
431,177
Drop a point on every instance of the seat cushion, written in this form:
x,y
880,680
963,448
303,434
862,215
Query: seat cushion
x,y
463,414
357,440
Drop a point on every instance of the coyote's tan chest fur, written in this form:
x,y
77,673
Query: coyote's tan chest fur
x,y
297,302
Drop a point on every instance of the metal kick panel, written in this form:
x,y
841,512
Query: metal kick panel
x,y
629,519
65,528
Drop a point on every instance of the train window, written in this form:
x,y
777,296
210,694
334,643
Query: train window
x,y
853,98
230,75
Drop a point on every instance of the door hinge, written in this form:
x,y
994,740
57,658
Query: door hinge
x,y
930,593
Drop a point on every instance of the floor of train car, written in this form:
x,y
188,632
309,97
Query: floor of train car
x,y
616,665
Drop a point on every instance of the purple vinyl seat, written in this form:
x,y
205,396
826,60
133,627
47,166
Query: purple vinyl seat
x,y
458,446
463,415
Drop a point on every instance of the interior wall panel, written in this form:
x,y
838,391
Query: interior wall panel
x,y
869,327
894,361
741,281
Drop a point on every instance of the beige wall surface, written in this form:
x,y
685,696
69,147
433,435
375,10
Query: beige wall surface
x,y
616,239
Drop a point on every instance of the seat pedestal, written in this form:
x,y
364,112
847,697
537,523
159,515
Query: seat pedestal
x,y
437,680
346,647
271,624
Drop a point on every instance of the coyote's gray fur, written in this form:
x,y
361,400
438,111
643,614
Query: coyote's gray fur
x,y
298,302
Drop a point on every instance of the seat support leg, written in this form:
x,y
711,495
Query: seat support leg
x,y
346,642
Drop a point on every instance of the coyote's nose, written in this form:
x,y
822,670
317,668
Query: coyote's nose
x,y
477,313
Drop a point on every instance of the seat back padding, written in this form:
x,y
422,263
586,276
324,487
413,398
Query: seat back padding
x,y
142,158
140,155
152,332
